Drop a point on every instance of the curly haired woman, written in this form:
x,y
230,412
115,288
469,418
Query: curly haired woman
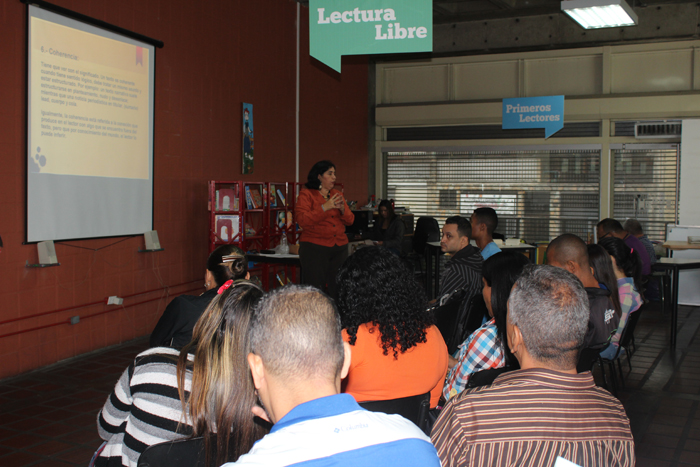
x,y
396,350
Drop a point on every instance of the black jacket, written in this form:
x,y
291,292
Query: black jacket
x,y
393,237
174,328
602,321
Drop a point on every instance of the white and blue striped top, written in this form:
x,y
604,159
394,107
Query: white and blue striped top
x,y
336,431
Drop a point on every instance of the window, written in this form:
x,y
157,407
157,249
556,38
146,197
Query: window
x,y
646,185
538,193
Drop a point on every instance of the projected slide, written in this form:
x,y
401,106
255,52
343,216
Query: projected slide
x,y
90,131
93,97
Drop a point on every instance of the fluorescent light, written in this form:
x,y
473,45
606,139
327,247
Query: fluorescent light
x,y
594,14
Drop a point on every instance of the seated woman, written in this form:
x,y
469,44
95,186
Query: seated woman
x,y
211,377
389,228
396,351
628,271
486,348
603,272
174,328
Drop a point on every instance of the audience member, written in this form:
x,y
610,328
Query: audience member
x,y
396,351
569,252
485,349
603,272
388,229
463,270
627,269
545,410
634,227
211,378
612,228
298,359
174,328
484,221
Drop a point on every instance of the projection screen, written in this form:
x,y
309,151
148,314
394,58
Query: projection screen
x,y
89,130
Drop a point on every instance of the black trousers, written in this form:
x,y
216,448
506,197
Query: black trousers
x,y
320,264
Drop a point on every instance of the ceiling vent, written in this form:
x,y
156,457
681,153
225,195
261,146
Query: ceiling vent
x,y
655,130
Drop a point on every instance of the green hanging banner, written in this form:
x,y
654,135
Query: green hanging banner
x,y
358,27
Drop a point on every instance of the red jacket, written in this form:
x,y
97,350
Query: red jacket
x,y
325,228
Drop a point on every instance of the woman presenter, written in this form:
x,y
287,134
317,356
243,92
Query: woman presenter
x,y
322,214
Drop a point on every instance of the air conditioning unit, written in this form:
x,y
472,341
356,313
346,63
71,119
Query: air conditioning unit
x,y
656,130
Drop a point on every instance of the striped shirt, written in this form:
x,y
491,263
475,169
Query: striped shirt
x,y
531,417
481,351
144,408
463,271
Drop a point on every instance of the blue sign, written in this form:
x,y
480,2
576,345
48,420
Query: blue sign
x,y
534,112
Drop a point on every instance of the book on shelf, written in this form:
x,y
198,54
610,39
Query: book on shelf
x,y
281,220
250,203
226,200
264,196
227,227
249,231
273,197
281,197
257,199
282,278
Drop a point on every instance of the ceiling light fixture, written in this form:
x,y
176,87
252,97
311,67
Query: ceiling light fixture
x,y
595,14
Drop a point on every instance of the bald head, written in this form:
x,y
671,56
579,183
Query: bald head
x,y
565,248
571,253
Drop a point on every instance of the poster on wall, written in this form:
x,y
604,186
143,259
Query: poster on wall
x,y
248,146
337,27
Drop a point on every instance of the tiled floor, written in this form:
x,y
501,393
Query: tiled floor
x,y
47,417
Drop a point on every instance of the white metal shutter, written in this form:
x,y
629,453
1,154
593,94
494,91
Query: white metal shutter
x,y
538,193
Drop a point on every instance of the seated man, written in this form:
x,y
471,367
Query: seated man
x,y
570,252
463,270
484,221
610,227
297,359
634,228
545,410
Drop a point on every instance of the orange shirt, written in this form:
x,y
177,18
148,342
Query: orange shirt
x,y
374,376
325,228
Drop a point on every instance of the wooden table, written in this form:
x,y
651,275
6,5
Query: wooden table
x,y
681,246
675,265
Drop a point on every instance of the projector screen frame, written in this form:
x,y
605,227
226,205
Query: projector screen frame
x,y
94,22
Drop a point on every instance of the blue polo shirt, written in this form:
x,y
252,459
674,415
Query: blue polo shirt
x,y
489,250
336,431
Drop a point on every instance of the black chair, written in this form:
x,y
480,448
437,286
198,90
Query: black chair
x,y
627,339
486,377
624,347
427,230
413,408
589,357
179,453
456,322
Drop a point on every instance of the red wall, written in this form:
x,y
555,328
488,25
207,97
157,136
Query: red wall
x,y
217,55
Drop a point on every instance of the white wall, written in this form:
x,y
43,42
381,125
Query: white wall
x,y
689,205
